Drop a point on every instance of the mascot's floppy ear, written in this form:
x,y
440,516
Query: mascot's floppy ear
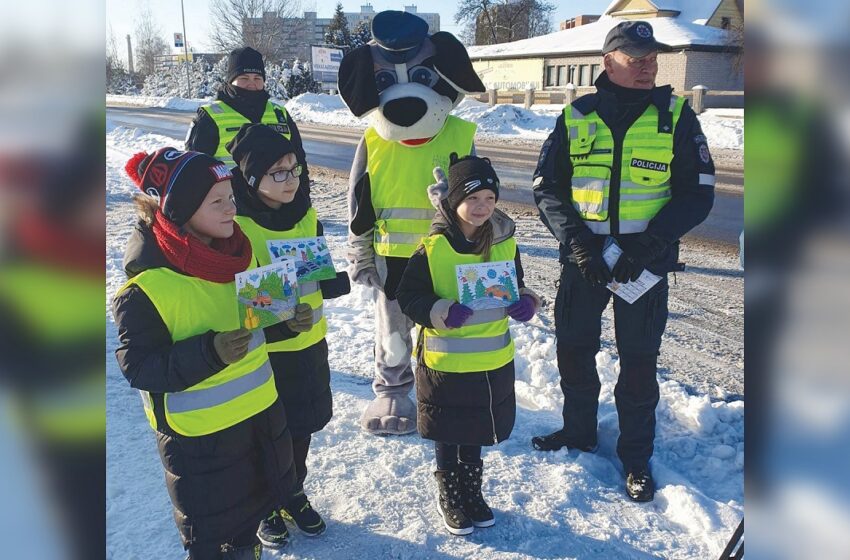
x,y
453,64
357,81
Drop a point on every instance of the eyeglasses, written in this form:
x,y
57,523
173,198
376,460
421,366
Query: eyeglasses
x,y
284,174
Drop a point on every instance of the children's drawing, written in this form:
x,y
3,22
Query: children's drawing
x,y
267,295
487,285
311,255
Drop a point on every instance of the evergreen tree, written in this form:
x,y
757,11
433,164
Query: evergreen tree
x,y
362,34
301,80
480,291
508,282
466,296
337,33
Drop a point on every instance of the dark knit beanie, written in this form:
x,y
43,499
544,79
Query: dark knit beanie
x,y
468,175
255,148
244,61
180,180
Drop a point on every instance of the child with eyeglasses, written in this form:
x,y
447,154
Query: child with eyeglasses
x,y
273,204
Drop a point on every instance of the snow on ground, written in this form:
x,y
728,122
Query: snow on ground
x,y
723,127
377,493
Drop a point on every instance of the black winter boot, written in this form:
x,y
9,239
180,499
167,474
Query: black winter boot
x,y
273,532
559,439
449,503
473,501
639,485
300,512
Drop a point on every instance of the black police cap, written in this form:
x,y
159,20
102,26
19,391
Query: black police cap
x,y
398,34
635,38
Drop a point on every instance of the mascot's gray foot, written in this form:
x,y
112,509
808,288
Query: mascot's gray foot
x,y
389,415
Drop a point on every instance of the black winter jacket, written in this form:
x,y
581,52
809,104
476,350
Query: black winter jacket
x,y
221,484
473,408
302,376
619,108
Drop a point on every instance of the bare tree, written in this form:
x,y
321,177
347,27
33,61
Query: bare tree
x,y
503,21
265,25
149,42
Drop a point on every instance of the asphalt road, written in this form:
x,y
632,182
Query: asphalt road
x,y
333,147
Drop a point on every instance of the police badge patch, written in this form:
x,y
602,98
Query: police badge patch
x,y
704,154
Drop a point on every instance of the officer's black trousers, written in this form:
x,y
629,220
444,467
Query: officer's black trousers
x,y
638,330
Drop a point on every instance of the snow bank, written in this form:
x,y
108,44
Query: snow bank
x,y
322,108
176,103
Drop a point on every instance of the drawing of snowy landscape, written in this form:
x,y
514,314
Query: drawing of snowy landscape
x,y
487,285
267,295
311,255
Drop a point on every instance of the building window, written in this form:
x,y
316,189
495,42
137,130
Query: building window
x,y
571,74
594,72
584,75
550,73
561,75
725,22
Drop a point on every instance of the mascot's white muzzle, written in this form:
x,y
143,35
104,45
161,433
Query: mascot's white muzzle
x,y
410,111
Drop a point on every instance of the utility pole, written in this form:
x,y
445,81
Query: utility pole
x,y
186,52
129,55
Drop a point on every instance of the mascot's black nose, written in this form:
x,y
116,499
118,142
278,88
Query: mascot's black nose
x,y
405,111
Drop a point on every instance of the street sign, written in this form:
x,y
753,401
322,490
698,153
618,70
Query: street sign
x,y
326,59
178,40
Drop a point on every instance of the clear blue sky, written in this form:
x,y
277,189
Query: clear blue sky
x,y
121,15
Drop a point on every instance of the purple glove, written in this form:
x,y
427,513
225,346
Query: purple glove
x,y
523,310
458,314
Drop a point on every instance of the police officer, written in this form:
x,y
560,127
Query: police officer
x,y
242,99
628,162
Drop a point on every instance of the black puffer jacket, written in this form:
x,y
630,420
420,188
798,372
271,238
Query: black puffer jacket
x,y
474,408
220,484
302,376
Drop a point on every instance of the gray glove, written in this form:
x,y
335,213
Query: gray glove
x,y
439,190
303,320
231,346
365,276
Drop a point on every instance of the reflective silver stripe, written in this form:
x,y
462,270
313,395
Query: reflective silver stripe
x,y
575,113
401,238
216,108
486,316
599,227
573,132
146,399
591,128
706,179
597,183
673,99
466,345
188,401
317,314
258,338
633,226
406,214
646,196
308,288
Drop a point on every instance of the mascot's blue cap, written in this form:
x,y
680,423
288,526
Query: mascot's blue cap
x,y
398,34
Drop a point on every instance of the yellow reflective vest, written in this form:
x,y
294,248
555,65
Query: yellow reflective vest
x,y
399,177
308,292
484,342
229,121
647,153
191,306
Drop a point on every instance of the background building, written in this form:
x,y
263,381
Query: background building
x,y
705,37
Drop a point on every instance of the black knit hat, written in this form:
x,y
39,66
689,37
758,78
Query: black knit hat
x,y
244,61
180,180
255,148
468,175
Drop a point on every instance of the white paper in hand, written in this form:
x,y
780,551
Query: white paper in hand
x,y
630,291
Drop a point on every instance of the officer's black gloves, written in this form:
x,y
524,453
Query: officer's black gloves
x,y
335,287
588,254
638,251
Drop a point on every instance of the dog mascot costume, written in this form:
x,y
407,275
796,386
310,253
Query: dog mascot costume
x,y
407,82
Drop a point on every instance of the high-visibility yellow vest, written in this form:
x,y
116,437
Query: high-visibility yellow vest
x,y
60,308
484,342
399,177
191,306
644,172
308,292
229,121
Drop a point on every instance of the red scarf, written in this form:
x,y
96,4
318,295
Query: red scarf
x,y
218,262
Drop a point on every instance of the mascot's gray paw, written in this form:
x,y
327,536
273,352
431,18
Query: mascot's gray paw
x,y
394,415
